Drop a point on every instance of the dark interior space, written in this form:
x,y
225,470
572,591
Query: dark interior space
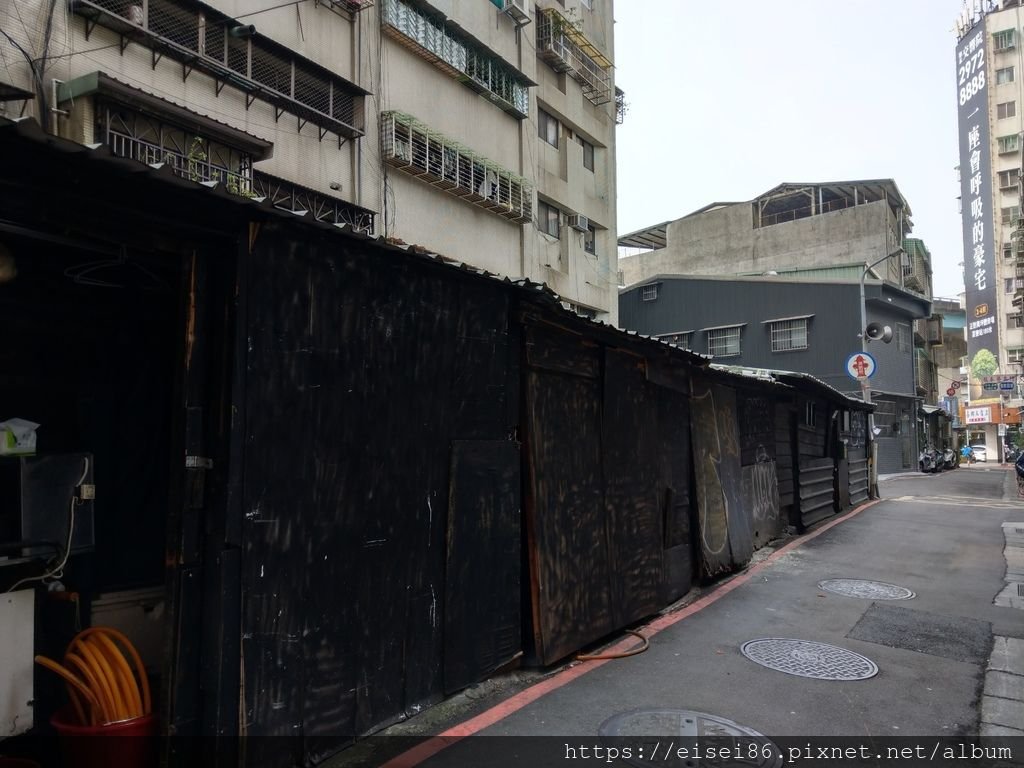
x,y
88,353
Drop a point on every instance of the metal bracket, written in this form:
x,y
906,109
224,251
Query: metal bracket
x,y
198,462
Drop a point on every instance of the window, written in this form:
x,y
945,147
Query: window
x,y
547,219
1012,284
1004,75
1015,355
1014,320
547,127
724,342
1008,179
1011,214
902,337
1009,143
810,415
1003,40
649,292
678,339
590,240
590,4
788,335
588,153
1006,109
1007,250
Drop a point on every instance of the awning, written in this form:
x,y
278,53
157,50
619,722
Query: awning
x,y
136,98
784,319
723,327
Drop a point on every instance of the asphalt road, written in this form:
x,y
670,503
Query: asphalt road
x,y
939,536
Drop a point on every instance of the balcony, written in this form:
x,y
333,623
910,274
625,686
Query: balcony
x,y
232,54
621,107
414,148
565,48
458,56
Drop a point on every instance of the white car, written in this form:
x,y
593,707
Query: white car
x,y
980,452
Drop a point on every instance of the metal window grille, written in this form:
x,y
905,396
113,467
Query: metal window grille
x,y
293,197
724,342
903,337
681,340
191,156
561,44
201,38
416,149
649,292
788,335
455,54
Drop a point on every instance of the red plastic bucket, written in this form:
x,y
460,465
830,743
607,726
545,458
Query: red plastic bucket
x,y
128,744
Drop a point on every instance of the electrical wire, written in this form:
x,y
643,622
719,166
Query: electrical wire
x,y
58,571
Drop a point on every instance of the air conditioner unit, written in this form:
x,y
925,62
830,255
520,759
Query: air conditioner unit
x,y
519,10
578,222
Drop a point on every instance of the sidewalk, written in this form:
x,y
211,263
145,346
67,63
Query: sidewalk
x,y
950,662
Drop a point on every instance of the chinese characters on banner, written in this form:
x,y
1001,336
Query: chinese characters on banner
x,y
976,187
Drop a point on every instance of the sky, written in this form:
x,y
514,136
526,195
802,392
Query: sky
x,y
728,99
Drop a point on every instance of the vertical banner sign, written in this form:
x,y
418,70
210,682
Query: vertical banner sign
x,y
976,194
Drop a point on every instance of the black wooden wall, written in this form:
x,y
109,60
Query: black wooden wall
x,y
608,490
381,490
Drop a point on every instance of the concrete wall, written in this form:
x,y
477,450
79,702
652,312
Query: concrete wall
x,y
725,241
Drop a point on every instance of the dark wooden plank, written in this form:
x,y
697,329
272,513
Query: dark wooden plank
x,y
482,611
634,515
757,428
718,480
560,352
761,498
568,543
673,439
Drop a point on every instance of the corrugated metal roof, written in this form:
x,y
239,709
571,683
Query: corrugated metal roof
x,y
794,379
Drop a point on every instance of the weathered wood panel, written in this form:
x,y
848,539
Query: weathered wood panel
x,y
361,372
817,491
725,535
673,431
482,592
858,481
634,522
566,520
784,455
761,499
757,428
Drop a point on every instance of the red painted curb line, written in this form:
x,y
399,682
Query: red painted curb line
x,y
503,709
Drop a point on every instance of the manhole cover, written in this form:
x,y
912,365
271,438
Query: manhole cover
x,y
869,590
807,659
681,737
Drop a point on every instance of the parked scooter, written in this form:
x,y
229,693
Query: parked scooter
x,y
929,459
950,458
1012,454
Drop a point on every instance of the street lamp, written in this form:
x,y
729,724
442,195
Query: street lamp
x,y
875,333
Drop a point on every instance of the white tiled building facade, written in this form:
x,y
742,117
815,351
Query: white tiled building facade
x,y
483,130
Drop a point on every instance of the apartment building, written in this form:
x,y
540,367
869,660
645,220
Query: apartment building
x,y
483,130
990,93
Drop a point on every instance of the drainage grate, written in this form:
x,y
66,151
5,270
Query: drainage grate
x,y
868,590
649,733
807,659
